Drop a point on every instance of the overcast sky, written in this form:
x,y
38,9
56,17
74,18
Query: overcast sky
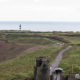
x,y
39,10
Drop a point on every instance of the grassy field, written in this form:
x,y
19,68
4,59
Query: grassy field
x,y
72,40
26,38
71,61
22,67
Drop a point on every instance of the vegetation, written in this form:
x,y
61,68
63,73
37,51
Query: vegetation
x,y
71,61
22,67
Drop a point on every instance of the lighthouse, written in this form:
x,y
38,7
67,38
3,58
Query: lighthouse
x,y
20,27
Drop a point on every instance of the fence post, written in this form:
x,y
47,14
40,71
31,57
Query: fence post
x,y
57,74
42,69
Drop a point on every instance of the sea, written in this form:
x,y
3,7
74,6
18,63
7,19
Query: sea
x,y
40,26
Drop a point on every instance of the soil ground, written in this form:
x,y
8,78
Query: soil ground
x,y
12,50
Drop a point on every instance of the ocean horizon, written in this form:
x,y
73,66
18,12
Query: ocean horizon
x,y
40,26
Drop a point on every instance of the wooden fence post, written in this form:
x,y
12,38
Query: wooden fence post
x,y
42,69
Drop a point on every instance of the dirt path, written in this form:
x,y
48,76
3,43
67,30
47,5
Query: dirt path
x,y
59,58
29,50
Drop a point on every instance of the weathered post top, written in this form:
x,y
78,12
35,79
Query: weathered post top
x,y
41,60
58,70
42,69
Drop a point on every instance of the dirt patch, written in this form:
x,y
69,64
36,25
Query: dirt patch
x,y
12,50
30,50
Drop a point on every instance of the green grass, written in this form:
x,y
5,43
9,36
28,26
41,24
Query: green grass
x,y
32,37
72,58
22,67
73,40
33,40
18,37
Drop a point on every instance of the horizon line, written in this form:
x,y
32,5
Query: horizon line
x,y
40,21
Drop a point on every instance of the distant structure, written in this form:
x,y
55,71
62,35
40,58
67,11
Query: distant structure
x,y
20,27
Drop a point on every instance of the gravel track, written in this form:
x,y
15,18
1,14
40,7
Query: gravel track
x,y
58,59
